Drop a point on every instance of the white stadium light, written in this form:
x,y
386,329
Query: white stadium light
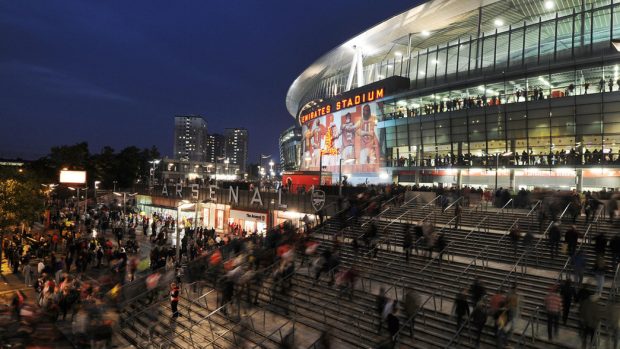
x,y
549,5
425,33
498,22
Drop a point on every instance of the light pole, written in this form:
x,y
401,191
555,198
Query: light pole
x,y
124,195
114,189
96,187
154,164
217,160
180,204
78,197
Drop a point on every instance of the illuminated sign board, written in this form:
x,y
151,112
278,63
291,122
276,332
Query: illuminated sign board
x,y
365,94
73,177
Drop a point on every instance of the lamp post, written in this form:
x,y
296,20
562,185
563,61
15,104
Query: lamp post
x,y
180,204
216,162
96,187
124,195
78,197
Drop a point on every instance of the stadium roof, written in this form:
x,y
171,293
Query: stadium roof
x,y
432,23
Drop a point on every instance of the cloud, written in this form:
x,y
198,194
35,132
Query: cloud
x,y
56,82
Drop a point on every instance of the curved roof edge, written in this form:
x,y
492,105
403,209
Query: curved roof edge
x,y
432,15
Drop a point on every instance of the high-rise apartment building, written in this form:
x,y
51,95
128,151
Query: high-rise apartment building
x,y
290,149
215,146
236,149
190,138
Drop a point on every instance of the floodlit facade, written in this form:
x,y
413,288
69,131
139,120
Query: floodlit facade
x,y
511,93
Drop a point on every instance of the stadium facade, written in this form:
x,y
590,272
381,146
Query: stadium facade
x,y
506,93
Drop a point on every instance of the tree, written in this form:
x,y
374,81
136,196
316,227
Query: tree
x,y
21,202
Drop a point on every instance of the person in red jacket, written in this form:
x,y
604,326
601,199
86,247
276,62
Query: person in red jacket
x,y
174,299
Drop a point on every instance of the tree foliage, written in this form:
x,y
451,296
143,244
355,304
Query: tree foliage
x,y
21,200
126,167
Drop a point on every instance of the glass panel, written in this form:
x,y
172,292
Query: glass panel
x,y
516,47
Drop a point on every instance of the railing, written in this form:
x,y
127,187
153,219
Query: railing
x,y
436,293
532,325
389,208
457,336
506,205
526,253
453,203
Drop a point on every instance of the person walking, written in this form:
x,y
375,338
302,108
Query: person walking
x,y
590,318
570,238
393,325
174,299
567,291
554,239
553,306
411,305
460,308
458,211
479,319
407,242
380,302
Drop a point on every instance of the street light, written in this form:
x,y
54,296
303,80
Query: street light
x,y
217,160
96,187
124,195
180,205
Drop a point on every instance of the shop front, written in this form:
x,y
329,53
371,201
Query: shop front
x,y
294,217
250,221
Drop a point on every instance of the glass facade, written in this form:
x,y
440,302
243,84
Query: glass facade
x,y
549,39
560,118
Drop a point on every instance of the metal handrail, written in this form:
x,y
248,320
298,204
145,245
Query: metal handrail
x,y
430,202
401,215
452,204
458,333
525,253
538,202
503,207
533,323
389,208
279,329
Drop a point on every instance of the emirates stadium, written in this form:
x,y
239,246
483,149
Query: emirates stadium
x,y
493,93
